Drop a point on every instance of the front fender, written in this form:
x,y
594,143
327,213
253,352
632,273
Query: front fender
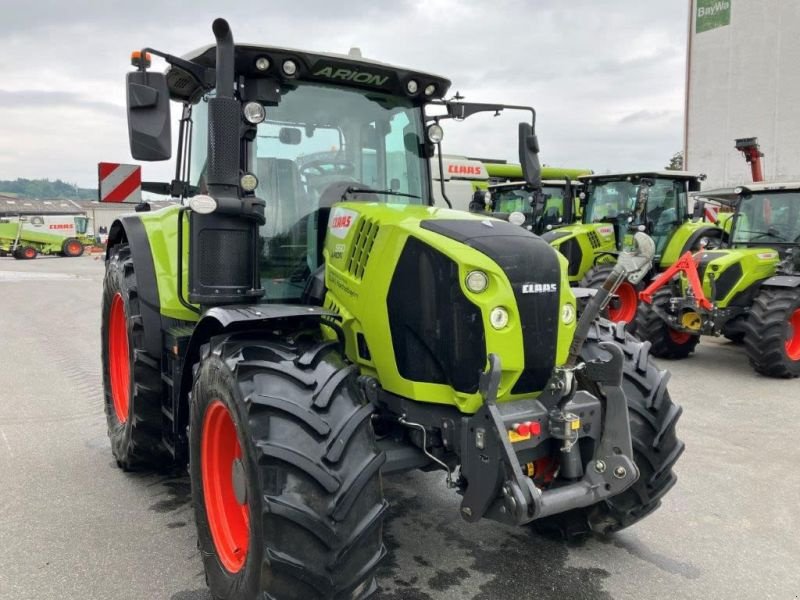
x,y
129,229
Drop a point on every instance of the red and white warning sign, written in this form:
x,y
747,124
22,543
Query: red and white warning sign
x,y
119,183
711,213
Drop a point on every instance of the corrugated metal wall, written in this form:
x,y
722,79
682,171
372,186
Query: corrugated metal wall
x,y
743,80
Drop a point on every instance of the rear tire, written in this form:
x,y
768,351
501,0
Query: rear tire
x,y
656,446
623,307
772,333
72,248
308,473
131,378
665,341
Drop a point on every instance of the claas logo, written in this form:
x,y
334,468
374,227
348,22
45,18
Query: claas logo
x,y
60,226
463,170
342,221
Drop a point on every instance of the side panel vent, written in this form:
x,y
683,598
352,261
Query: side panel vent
x,y
362,245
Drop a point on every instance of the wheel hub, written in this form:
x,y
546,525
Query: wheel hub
x,y
118,358
793,336
224,487
239,481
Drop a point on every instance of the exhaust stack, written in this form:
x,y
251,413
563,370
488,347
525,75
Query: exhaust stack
x,y
223,245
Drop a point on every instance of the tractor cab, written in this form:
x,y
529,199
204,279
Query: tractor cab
x,y
517,203
655,202
765,215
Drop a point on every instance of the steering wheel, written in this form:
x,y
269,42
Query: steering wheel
x,y
318,168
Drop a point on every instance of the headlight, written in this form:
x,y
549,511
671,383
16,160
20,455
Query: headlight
x,y
262,63
516,217
435,133
412,86
498,317
430,89
289,67
477,281
254,112
568,314
248,182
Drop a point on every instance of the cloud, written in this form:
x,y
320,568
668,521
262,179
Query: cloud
x,y
36,99
606,79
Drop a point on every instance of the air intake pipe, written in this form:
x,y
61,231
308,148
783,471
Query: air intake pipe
x,y
223,260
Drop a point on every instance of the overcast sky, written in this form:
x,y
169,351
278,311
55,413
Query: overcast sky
x,y
606,78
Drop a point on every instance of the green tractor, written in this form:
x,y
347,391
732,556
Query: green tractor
x,y
552,207
749,292
295,330
616,206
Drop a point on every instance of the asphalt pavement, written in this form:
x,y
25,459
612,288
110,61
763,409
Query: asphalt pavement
x,y
72,525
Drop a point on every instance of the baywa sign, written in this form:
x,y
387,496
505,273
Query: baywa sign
x,y
712,14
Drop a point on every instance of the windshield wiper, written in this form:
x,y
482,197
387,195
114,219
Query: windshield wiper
x,y
362,190
772,233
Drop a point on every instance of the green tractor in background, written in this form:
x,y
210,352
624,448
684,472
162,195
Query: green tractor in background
x,y
615,207
749,292
553,207
296,329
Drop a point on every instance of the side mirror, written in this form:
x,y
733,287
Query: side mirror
x,y
149,127
290,135
529,156
699,210
481,201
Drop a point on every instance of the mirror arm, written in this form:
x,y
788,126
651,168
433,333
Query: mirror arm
x,y
205,77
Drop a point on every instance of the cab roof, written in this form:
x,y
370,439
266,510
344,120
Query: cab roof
x,y
338,69
732,193
545,182
665,174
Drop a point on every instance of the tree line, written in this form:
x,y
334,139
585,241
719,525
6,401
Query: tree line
x,y
45,188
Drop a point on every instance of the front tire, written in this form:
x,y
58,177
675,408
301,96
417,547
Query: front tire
x,y
623,306
656,447
131,378
665,341
772,333
25,253
288,502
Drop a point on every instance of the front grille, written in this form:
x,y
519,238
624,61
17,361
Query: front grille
x,y
362,245
526,260
437,333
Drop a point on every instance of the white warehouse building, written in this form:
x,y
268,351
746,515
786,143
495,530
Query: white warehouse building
x,y
743,80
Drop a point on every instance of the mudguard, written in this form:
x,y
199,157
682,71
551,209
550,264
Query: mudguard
x,y
786,281
129,228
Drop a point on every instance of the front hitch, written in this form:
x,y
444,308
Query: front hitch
x,y
496,485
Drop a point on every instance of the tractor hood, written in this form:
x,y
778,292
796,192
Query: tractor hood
x,y
734,270
398,275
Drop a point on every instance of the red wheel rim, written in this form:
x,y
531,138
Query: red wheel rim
x,y
118,359
625,304
73,248
679,337
228,518
793,336
30,252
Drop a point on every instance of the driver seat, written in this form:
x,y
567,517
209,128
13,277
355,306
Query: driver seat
x,y
280,186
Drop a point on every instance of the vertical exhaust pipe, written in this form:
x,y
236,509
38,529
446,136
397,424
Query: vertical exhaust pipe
x,y
223,244
223,126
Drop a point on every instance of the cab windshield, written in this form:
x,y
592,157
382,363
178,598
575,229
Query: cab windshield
x,y
320,145
655,204
768,218
508,200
